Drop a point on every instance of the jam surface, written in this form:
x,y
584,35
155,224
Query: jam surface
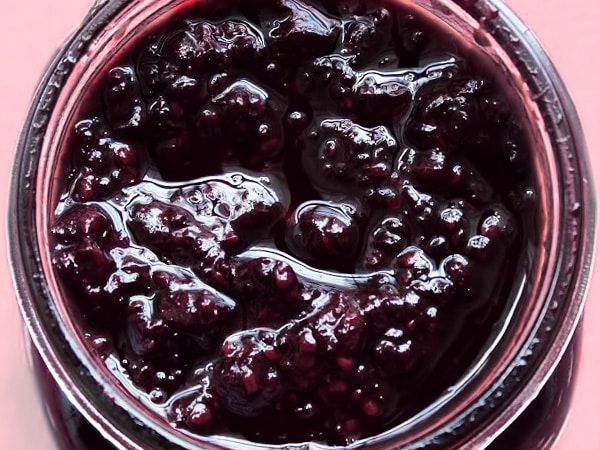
x,y
291,221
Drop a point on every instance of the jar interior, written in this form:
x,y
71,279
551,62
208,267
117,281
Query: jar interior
x,y
514,323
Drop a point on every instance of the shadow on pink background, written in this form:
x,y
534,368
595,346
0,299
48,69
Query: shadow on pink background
x,y
33,29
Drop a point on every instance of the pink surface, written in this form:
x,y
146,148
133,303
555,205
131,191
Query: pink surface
x,y
33,29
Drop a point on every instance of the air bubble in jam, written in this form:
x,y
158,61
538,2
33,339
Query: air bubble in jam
x,y
296,223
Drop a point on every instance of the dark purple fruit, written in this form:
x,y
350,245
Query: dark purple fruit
x,y
102,165
304,30
340,325
366,36
325,234
125,107
446,113
247,379
344,152
247,117
83,242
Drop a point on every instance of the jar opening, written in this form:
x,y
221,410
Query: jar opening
x,y
498,359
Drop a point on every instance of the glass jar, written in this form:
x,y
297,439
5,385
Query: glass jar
x,y
518,360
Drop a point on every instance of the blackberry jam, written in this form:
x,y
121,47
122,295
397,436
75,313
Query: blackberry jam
x,y
303,223
536,428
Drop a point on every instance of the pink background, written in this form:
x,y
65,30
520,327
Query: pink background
x,y
33,29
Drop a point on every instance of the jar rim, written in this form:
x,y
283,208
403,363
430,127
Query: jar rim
x,y
576,207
